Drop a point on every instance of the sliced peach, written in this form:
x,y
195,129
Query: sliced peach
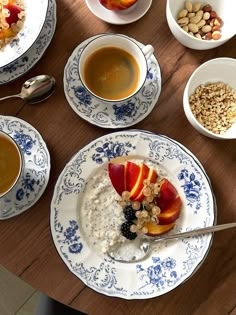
x,y
138,187
168,193
172,213
117,4
157,229
117,176
152,178
131,175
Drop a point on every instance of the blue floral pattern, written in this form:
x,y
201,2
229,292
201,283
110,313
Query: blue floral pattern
x,y
23,64
35,174
160,274
116,115
70,237
110,150
170,263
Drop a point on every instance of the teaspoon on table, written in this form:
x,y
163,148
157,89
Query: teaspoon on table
x,y
36,89
145,244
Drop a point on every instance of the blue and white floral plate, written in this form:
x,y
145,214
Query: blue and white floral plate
x,y
36,171
171,263
24,63
117,115
119,17
35,15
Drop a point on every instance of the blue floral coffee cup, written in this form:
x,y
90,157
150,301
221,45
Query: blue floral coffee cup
x,y
113,68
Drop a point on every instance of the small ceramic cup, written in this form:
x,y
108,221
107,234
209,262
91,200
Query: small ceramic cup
x,y
11,165
141,56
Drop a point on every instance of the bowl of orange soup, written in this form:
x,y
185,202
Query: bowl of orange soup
x,y
21,22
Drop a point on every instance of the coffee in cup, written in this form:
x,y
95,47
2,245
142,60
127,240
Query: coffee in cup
x,y
10,163
113,67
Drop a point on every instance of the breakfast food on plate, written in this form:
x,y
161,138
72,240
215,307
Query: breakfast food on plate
x,y
214,106
200,20
151,205
122,202
12,15
117,4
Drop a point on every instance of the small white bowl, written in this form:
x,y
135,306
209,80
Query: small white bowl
x,y
214,70
225,9
35,15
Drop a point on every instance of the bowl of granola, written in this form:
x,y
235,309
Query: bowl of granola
x,y
209,98
201,24
21,22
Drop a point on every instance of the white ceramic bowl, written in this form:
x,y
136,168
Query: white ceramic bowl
x,y
35,15
214,70
225,10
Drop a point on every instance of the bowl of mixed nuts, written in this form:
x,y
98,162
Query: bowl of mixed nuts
x,y
201,24
209,98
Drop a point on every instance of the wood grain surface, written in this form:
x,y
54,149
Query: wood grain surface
x,y
26,246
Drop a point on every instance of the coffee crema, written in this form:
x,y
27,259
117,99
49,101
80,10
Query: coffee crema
x,y
111,73
10,164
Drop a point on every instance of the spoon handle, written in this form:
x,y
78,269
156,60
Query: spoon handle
x,y
10,96
205,230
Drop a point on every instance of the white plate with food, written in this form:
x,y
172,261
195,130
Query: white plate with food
x,y
21,23
119,17
87,215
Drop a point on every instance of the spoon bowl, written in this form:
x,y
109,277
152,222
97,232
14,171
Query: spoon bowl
x,y
36,89
145,244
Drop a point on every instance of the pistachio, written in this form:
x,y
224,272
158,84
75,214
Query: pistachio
x,y
182,13
192,27
195,19
188,6
197,6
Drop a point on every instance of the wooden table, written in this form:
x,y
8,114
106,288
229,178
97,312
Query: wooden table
x,y
26,245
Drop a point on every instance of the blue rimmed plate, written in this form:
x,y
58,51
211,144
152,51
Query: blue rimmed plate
x,y
113,116
170,264
24,63
36,172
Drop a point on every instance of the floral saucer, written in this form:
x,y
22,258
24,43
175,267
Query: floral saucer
x,y
37,167
119,17
23,64
117,115
171,262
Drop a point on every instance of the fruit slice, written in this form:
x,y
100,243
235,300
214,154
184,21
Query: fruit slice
x,y
14,11
117,176
138,187
131,174
171,213
152,178
168,194
157,229
117,4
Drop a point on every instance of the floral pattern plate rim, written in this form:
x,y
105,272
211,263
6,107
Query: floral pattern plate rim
x,y
24,63
171,263
113,116
35,12
119,17
36,173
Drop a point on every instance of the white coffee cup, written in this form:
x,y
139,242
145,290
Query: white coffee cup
x,y
141,55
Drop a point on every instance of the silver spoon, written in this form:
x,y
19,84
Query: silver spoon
x,y
35,89
145,244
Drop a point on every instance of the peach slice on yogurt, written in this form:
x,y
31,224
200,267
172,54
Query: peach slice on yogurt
x,y
117,4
